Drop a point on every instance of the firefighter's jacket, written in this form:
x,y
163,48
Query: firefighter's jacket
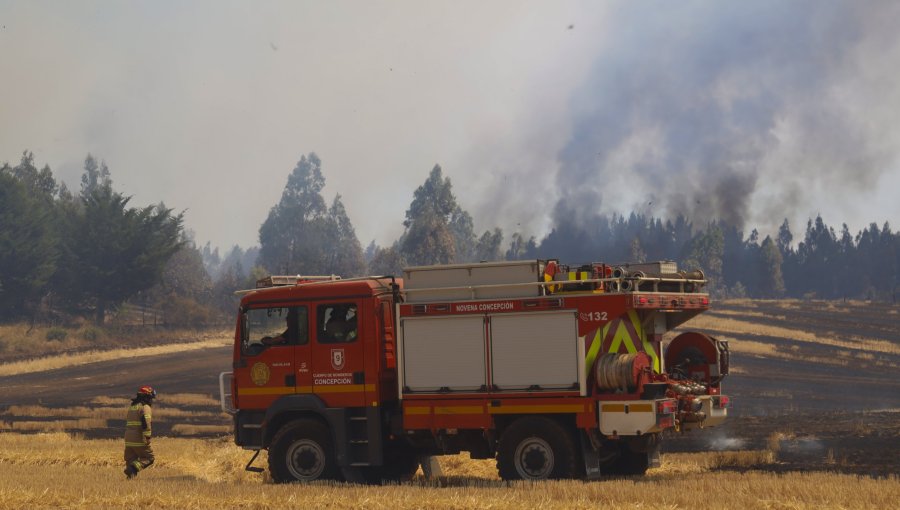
x,y
138,424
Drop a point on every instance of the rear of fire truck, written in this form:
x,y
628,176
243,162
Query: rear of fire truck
x,y
558,371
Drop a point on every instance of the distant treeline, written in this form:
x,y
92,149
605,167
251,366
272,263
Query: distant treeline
x,y
65,254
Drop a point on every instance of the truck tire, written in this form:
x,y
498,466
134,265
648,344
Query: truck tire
x,y
301,451
536,448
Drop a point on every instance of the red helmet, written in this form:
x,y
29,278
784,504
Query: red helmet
x,y
147,391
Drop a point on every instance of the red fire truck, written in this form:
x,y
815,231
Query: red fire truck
x,y
556,371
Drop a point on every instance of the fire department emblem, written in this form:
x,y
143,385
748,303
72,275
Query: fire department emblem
x,y
259,373
337,359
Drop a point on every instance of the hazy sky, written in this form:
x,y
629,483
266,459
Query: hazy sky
x,y
750,111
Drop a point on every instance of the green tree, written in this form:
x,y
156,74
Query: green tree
x,y
489,245
95,177
38,182
520,248
111,251
292,239
817,255
438,231
28,246
345,251
463,229
387,262
184,289
705,251
771,283
636,252
303,236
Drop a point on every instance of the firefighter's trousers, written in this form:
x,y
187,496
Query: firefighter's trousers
x,y
138,457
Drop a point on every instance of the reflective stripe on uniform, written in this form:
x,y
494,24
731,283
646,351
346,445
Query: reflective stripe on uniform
x,y
139,416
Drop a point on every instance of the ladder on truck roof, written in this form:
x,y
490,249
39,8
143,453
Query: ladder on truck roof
x,y
500,280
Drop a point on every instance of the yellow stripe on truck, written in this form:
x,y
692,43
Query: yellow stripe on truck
x,y
632,408
343,388
459,410
287,390
527,409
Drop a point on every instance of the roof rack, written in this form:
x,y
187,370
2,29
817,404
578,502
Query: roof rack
x,y
279,280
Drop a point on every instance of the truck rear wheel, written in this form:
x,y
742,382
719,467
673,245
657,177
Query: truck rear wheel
x,y
302,452
536,448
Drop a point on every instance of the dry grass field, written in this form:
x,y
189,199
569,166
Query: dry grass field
x,y
58,470
815,423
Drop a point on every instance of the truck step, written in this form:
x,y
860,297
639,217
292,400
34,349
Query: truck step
x,y
359,441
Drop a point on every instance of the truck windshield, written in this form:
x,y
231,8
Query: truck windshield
x,y
274,326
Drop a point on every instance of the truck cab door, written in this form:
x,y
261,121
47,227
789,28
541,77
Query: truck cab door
x,y
338,376
273,340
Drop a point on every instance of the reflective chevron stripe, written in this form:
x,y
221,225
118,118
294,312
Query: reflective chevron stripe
x,y
622,332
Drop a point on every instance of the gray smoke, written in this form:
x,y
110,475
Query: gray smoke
x,y
736,111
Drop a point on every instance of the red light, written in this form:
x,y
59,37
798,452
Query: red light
x,y
722,402
642,300
665,407
665,422
704,301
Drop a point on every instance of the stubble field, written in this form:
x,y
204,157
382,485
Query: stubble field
x,y
815,424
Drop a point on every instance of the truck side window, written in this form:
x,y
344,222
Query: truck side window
x,y
275,326
336,323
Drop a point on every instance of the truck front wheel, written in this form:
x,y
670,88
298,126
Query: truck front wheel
x,y
302,452
536,448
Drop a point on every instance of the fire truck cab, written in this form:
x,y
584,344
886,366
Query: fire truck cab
x,y
557,371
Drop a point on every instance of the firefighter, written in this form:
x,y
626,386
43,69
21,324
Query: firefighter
x,y
138,454
288,335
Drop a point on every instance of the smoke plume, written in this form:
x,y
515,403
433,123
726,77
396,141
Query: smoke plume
x,y
742,112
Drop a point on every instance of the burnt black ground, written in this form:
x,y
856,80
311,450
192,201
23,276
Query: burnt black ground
x,y
841,415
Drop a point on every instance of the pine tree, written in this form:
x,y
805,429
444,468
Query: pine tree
x,y
111,251
28,246
705,252
771,283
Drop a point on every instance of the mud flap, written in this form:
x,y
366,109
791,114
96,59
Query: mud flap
x,y
592,459
430,467
653,458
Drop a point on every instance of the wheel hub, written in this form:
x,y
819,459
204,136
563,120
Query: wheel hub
x,y
305,460
534,459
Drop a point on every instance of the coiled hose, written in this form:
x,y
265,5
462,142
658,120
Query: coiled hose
x,y
616,371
